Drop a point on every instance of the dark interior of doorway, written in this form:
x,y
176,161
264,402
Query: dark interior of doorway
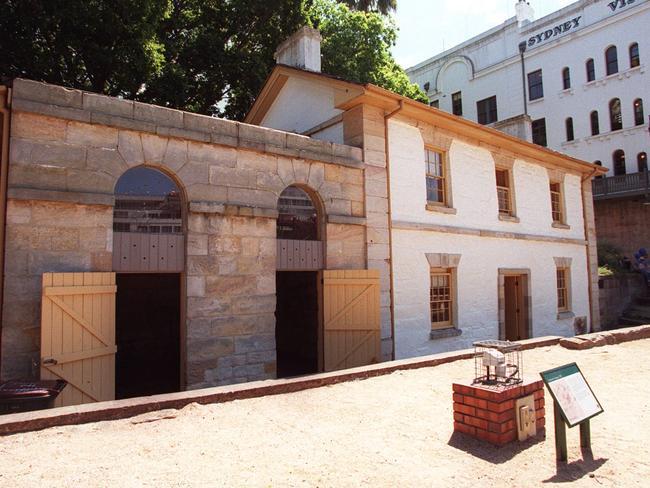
x,y
147,322
296,329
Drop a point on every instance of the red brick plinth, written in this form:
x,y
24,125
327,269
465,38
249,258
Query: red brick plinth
x,y
488,412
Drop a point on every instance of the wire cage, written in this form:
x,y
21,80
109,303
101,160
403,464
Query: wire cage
x,y
498,363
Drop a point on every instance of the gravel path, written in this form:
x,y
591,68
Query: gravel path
x,y
395,430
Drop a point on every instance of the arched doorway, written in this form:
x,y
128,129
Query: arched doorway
x,y
148,258
298,332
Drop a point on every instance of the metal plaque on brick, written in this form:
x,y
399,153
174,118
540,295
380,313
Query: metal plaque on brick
x,y
572,393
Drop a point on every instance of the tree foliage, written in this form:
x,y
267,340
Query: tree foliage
x,y
382,6
206,56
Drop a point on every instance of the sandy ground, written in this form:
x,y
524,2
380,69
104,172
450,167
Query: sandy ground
x,y
390,431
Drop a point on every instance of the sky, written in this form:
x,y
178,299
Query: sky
x,y
428,27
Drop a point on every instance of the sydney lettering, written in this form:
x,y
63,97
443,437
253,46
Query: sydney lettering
x,y
555,31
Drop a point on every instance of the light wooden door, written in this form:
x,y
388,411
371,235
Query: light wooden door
x,y
78,335
351,318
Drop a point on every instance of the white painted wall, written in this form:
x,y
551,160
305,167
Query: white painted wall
x,y
495,57
301,105
474,197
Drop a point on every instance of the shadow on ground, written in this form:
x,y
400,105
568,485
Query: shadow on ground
x,y
567,472
488,452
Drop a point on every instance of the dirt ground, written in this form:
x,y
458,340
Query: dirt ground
x,y
391,431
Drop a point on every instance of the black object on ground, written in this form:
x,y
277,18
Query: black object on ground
x,y
23,396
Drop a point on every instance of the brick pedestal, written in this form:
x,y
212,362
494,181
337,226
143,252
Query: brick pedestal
x,y
488,412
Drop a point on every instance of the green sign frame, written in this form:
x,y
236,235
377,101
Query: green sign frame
x,y
576,403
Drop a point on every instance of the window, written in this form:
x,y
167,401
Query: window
x,y
563,304
634,55
619,162
435,103
568,123
611,60
504,195
487,110
556,203
598,163
615,117
441,298
435,175
457,103
591,71
535,85
566,78
595,126
642,162
539,132
638,112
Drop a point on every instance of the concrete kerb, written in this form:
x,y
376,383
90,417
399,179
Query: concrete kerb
x,y
119,409
598,339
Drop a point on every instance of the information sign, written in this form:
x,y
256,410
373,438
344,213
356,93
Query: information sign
x,y
572,394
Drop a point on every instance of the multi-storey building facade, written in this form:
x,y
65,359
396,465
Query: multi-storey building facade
x,y
574,81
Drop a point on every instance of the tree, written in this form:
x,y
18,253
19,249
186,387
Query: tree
x,y
107,46
381,6
356,46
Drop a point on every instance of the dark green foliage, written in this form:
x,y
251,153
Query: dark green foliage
x,y
381,6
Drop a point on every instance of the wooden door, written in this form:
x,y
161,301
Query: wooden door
x,y
515,310
351,318
78,335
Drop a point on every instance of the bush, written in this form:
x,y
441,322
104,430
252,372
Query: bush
x,y
610,260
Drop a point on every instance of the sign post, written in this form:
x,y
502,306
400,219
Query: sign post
x,y
574,403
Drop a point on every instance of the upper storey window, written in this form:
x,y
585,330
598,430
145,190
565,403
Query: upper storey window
x,y
615,116
457,104
638,112
591,70
487,110
535,85
566,78
611,60
435,176
595,125
539,132
635,60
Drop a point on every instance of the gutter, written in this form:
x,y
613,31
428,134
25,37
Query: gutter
x,y
5,124
522,50
586,231
387,117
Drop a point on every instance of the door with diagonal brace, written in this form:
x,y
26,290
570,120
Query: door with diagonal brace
x,y
78,335
351,318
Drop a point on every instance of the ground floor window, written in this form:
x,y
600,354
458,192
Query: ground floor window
x,y
563,284
441,298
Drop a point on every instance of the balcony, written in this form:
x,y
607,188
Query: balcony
x,y
621,186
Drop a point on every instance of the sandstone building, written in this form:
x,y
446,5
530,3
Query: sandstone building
x,y
150,250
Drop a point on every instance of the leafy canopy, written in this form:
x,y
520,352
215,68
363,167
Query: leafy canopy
x,y
206,56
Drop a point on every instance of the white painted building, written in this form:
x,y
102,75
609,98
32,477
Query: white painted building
x,y
490,236
579,74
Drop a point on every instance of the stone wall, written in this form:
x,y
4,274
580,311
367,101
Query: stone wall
x,y
68,148
624,224
616,294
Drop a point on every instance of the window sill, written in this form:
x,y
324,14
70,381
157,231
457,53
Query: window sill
x,y
559,225
536,100
433,207
444,333
509,218
565,315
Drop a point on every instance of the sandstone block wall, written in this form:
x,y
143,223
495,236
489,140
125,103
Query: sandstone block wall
x,y
68,149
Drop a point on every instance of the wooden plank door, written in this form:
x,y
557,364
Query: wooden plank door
x,y
78,335
351,318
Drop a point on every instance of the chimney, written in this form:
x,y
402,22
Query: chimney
x,y
525,13
301,50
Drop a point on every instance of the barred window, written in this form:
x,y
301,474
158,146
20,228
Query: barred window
x,y
562,289
441,300
435,176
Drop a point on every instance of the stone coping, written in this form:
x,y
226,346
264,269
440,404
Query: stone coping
x,y
598,339
119,409
72,104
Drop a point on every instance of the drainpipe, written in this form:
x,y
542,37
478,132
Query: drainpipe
x,y
5,117
390,225
585,225
522,50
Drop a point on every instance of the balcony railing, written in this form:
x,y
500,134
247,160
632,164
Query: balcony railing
x,y
621,185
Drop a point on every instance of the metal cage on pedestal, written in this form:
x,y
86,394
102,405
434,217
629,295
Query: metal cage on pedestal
x,y
498,363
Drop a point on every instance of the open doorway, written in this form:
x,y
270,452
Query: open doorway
x,y
147,334
516,307
299,259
